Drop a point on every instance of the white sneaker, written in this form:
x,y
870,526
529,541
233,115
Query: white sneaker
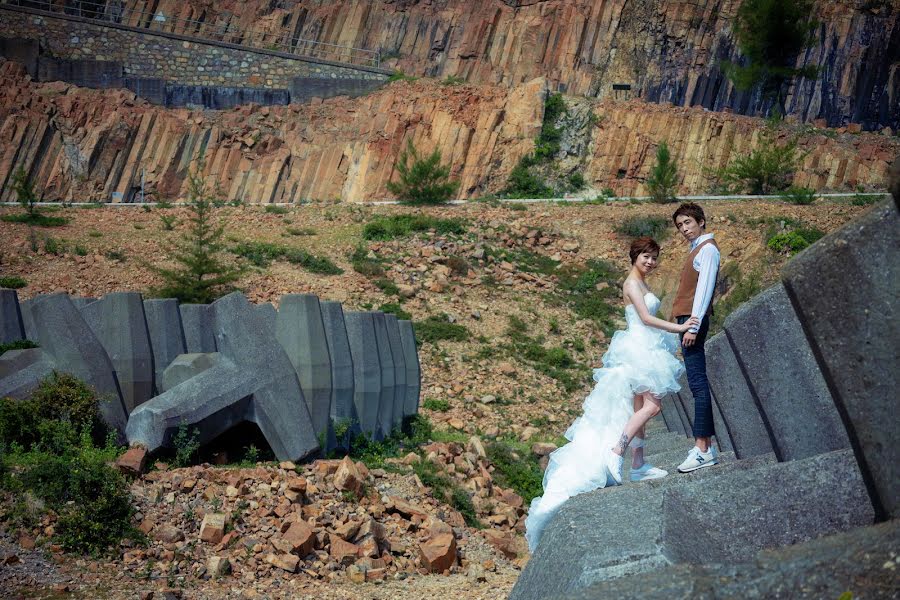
x,y
614,467
697,460
647,471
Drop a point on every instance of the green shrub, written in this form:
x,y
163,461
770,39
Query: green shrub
x,y
399,226
12,282
664,177
514,467
864,200
274,209
37,219
80,250
799,195
394,309
24,189
17,345
635,227
523,183
168,222
261,254
422,180
436,328
768,168
186,442
301,231
387,286
399,75
577,181
365,265
453,80
436,404
54,246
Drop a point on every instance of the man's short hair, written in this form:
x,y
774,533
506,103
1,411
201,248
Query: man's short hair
x,y
689,209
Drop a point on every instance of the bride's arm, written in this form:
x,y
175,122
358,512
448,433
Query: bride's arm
x,y
633,291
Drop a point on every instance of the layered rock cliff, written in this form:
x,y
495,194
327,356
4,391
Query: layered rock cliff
x,y
666,51
80,144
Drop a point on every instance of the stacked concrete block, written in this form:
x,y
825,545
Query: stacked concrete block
x,y
671,414
686,400
413,368
119,323
197,323
366,370
253,380
300,330
387,397
22,370
393,330
166,335
771,348
343,411
11,326
845,291
269,314
186,366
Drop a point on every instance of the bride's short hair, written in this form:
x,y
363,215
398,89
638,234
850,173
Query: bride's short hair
x,y
641,245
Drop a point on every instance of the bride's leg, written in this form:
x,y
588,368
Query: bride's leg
x,y
637,450
637,421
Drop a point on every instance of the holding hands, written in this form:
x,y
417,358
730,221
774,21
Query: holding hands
x,y
684,327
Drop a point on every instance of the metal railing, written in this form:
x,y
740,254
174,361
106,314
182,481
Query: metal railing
x,y
113,11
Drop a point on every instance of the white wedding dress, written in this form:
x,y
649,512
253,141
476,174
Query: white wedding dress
x,y
639,359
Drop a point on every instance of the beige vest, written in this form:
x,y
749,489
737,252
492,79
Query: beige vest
x,y
684,299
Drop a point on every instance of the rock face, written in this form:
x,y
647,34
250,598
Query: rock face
x,y
82,144
666,51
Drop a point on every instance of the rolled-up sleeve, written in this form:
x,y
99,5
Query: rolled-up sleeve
x,y
707,264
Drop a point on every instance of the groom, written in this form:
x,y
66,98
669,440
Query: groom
x,y
694,297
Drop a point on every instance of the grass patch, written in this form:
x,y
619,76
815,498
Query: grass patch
x,y
635,227
436,328
364,264
301,231
261,254
578,288
273,209
12,283
17,345
436,404
35,219
555,362
399,226
395,309
387,286
526,260
516,468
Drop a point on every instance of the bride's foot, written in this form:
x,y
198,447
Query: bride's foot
x,y
614,467
647,471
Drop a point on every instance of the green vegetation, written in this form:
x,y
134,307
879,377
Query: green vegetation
x,y
399,75
555,362
768,168
300,231
799,195
516,468
24,189
12,282
17,345
635,227
422,180
394,309
453,80
274,209
523,181
771,35
55,454
37,219
864,200
436,328
588,290
200,275
791,242
167,222
664,177
436,404
399,226
261,254
186,442
742,288
364,264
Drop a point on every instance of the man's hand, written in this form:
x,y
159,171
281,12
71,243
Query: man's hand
x,y
688,339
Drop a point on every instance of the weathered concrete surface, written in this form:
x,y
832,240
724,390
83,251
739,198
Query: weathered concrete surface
x,y
396,344
854,331
822,568
22,370
119,323
771,348
253,381
366,370
11,326
413,368
732,513
735,399
723,435
197,323
62,332
343,411
387,397
166,334
300,330
186,366
671,416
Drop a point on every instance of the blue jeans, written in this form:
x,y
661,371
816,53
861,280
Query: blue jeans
x,y
695,365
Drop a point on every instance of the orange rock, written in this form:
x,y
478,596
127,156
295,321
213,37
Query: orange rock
x,y
438,554
343,552
212,529
347,477
301,538
132,462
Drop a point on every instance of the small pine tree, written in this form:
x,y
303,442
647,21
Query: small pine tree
x,y
201,276
422,180
24,191
664,177
768,168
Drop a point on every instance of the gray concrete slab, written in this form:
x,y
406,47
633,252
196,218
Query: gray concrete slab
x,y
387,398
393,330
845,291
779,365
671,416
166,335
686,398
22,370
11,326
366,370
119,323
679,408
735,399
343,411
186,366
723,436
197,324
413,368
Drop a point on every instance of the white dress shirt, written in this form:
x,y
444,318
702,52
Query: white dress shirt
x,y
706,263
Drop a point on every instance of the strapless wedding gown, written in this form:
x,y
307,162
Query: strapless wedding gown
x,y
639,359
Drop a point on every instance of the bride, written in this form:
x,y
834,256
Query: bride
x,y
638,369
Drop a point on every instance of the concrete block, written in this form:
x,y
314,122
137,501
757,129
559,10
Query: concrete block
x,y
686,398
269,314
300,330
82,301
790,391
413,368
166,335
343,412
254,381
366,370
119,323
393,330
723,436
679,408
186,366
22,370
62,332
387,398
197,323
845,289
11,326
670,414
736,402
680,514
